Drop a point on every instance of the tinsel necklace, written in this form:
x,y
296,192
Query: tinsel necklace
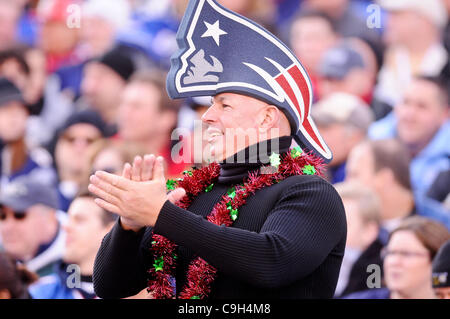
x,y
200,273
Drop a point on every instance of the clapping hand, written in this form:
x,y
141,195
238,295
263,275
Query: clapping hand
x,y
138,195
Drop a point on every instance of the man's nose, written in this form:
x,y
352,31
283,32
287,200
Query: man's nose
x,y
210,115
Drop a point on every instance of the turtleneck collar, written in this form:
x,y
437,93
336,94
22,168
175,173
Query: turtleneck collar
x,y
236,167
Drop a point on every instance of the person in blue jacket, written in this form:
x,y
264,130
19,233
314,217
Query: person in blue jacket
x,y
86,226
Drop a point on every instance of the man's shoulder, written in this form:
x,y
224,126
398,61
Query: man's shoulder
x,y
307,181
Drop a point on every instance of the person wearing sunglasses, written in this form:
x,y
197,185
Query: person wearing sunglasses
x,y
30,224
407,261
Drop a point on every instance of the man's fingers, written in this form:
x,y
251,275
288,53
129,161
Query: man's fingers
x,y
175,195
126,172
114,180
147,167
105,186
158,170
107,206
137,168
102,194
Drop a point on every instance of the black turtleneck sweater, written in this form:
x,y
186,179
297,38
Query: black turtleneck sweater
x,y
288,241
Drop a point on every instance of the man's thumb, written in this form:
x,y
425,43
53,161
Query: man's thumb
x,y
175,195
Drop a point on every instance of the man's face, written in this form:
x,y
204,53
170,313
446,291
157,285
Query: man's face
x,y
57,38
232,123
139,112
421,113
13,121
400,25
72,147
21,232
84,231
101,86
337,137
310,38
361,167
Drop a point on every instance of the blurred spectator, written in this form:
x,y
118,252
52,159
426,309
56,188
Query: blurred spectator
x,y
440,189
71,152
103,82
14,279
59,32
101,22
343,68
421,123
147,117
9,18
30,225
111,155
383,166
49,108
446,36
345,19
86,226
311,35
18,159
408,261
260,11
363,247
414,46
441,272
343,120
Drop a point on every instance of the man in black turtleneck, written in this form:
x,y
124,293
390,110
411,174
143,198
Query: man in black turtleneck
x,y
288,241
289,237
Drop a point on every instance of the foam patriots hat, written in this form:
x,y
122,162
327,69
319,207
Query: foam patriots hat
x,y
221,51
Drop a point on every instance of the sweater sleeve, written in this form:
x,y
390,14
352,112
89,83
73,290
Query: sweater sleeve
x,y
119,268
303,227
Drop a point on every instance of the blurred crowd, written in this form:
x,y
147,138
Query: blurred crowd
x,y
82,88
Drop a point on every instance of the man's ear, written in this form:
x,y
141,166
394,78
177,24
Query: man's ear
x,y
269,117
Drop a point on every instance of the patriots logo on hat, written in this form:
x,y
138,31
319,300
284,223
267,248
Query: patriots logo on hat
x,y
221,51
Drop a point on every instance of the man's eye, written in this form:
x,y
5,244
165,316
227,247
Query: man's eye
x,y
225,106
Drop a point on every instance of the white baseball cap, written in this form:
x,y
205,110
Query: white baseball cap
x,y
432,9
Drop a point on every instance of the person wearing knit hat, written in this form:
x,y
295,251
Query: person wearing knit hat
x,y
441,272
71,152
104,79
413,37
102,22
343,119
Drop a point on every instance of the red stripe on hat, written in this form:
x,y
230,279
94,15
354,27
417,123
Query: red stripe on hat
x,y
295,73
287,88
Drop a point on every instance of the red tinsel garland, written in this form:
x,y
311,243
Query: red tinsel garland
x,y
200,274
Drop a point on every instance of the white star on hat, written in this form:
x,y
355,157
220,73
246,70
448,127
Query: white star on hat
x,y
213,31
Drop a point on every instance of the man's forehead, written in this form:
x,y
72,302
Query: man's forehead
x,y
230,97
